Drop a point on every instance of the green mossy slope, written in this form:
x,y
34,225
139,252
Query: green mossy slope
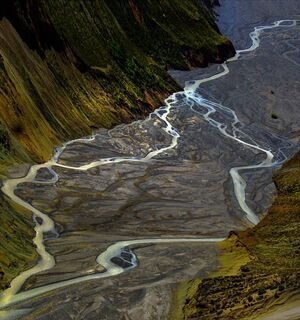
x,y
68,66
16,249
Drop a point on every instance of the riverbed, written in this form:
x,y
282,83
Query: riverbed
x,y
184,190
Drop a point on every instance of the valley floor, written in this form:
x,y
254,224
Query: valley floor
x,y
183,192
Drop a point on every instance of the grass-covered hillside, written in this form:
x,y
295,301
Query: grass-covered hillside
x,y
67,66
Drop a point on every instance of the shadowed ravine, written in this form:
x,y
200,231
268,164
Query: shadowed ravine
x,y
118,257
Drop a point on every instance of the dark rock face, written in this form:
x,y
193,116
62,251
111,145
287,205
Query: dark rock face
x,y
201,58
224,51
212,3
32,24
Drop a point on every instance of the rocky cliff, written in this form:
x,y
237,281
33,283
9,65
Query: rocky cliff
x,y
67,67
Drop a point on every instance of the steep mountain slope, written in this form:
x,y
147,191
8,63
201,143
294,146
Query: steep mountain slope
x,y
69,66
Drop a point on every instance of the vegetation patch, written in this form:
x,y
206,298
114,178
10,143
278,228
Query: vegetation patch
x,y
16,248
274,115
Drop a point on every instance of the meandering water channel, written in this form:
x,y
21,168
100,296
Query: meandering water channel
x,y
222,118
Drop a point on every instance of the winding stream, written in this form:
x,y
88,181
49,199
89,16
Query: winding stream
x,y
121,250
